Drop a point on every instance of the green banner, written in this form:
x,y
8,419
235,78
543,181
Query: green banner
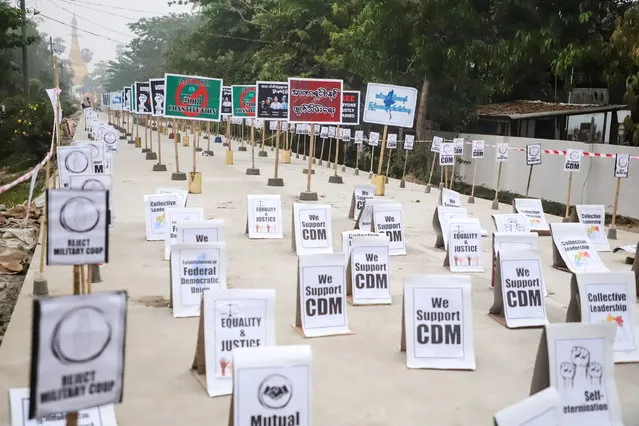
x,y
192,98
244,101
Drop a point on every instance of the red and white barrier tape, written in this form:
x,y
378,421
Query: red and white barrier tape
x,y
26,177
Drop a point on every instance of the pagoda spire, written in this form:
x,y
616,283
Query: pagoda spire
x,y
75,56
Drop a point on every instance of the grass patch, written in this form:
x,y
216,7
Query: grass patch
x,y
19,194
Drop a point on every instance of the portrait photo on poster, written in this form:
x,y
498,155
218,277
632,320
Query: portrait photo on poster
x,y
272,100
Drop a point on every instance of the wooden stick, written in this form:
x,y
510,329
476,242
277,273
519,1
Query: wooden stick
x,y
150,126
252,143
613,222
498,182
159,145
72,419
529,179
357,153
568,198
263,133
194,145
390,154
89,286
372,157
336,150
277,148
83,282
381,152
405,163
432,167
228,131
177,159
208,131
472,191
330,149
310,159
322,150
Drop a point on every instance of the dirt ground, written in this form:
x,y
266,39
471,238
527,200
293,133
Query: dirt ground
x,y
10,286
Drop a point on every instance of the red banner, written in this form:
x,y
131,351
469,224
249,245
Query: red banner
x,y
316,101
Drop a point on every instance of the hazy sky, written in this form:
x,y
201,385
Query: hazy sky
x,y
107,18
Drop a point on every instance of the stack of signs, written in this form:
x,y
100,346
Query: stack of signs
x,y
440,223
511,241
349,238
182,193
511,223
437,143
501,153
540,409
390,105
534,211
174,216
192,97
573,160
478,149
519,290
350,108
197,232
597,297
230,319
388,219
77,354
272,100
361,193
368,273
142,98
227,103
312,228
195,269
365,218
576,359
264,217
533,154
90,182
155,220
464,246
572,250
446,154
593,217
321,295
158,96
19,409
437,322
315,101
78,228
622,163
73,160
271,386
449,198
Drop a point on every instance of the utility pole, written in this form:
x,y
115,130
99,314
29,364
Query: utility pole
x,y
52,53
25,69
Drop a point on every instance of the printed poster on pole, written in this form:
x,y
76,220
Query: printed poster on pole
x,y
390,105
272,100
315,100
193,97
244,101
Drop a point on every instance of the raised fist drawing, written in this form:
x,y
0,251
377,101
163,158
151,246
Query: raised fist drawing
x,y
580,356
595,372
567,371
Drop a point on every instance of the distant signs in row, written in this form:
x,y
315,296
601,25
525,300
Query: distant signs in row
x,y
158,96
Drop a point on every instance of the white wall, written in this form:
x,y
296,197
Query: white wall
x,y
594,184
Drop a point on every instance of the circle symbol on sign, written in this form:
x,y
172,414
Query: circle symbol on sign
x,y
109,137
76,162
247,98
93,185
201,92
79,214
574,155
534,150
275,391
95,152
448,150
81,335
623,161
503,149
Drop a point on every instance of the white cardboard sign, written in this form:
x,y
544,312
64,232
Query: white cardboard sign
x,y
409,142
313,232
446,154
437,322
464,246
440,222
533,154
388,219
479,148
365,218
359,137
73,160
361,193
593,217
622,164
369,279
501,153
534,211
449,198
321,307
572,249
155,207
512,241
511,223
436,145
78,231
373,138
182,193
390,105
346,135
175,216
265,217
573,160
198,232
349,238
541,409
195,269
77,353
458,144
391,141
97,153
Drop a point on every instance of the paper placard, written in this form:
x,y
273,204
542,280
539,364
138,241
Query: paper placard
x,y
361,193
365,218
541,409
388,219
409,141
92,182
373,139
349,238
458,144
175,216
478,149
573,160
391,141
597,297
73,160
346,135
572,250
446,154
511,223
576,359
519,290
230,319
78,228
195,269
280,377
264,217
440,222
622,164
534,211
98,149
77,352
436,145
368,272
511,241
593,217
182,194
312,228
464,246
321,295
359,137
332,131
501,153
324,132
155,220
533,154
437,322
200,232
449,198
19,410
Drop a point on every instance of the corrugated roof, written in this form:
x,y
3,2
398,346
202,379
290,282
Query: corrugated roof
x,y
516,110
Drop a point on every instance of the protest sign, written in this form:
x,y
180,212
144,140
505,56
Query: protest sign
x,y
511,223
533,154
324,132
115,101
200,231
264,219
388,218
572,161
436,145
312,228
597,297
458,145
111,137
332,131
390,105
440,223
478,149
91,182
511,241
78,228
449,198
437,322
349,238
193,97
158,96
180,192
230,319
359,137
73,160
593,217
175,216
227,101
391,141
321,295
501,153
622,163
195,269
280,377
519,290
446,154
77,352
127,98
315,100
576,359
368,277
534,211
373,139
142,98
350,107
97,154
244,100
464,246
155,214
346,135
272,100
409,141
365,218
572,250
361,193
541,409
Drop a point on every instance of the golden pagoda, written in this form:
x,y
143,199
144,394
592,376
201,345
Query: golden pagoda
x,y
75,57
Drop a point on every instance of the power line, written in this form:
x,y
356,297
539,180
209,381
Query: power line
x,y
89,21
102,11
118,7
80,29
